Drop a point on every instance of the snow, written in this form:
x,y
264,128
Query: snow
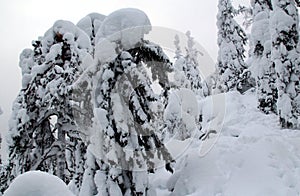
x,y
26,63
55,50
251,156
280,21
183,108
244,152
105,51
37,183
63,27
91,23
126,26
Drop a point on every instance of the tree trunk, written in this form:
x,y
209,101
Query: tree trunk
x,y
61,156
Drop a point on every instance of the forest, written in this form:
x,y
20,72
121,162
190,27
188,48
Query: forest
x,y
105,111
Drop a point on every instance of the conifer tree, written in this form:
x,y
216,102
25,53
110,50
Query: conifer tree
x,y
187,66
130,123
285,56
45,98
260,55
231,42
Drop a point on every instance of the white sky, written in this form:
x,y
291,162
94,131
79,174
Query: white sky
x,y
24,20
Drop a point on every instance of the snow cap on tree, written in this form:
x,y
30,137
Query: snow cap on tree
x,y
133,21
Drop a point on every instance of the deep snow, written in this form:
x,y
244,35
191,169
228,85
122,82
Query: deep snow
x,y
251,156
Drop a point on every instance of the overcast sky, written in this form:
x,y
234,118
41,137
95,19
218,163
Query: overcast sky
x,y
24,20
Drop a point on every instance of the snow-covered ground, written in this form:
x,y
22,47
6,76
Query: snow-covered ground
x,y
251,156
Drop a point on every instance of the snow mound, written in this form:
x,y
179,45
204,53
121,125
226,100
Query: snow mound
x,y
37,183
126,26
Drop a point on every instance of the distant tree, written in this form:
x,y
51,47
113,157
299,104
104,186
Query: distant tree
x,y
285,56
260,56
178,51
180,77
231,42
187,66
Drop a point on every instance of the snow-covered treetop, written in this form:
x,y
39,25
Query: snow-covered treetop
x,y
114,27
92,20
61,35
91,24
64,30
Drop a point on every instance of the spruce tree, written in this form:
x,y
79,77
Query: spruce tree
x,y
129,118
260,56
231,42
285,56
187,66
49,72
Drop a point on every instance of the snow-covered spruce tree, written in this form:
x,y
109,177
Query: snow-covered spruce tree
x,y
48,74
127,146
19,141
285,56
187,72
180,78
231,42
181,115
181,119
128,114
260,56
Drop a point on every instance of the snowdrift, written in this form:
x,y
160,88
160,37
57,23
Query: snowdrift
x,y
37,183
252,156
